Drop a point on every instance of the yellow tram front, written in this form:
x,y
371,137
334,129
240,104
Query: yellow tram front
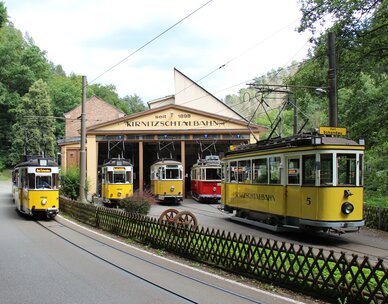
x,y
117,180
167,180
35,187
305,181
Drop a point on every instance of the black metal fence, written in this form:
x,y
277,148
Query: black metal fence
x,y
309,270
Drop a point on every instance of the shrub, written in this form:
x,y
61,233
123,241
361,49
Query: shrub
x,y
70,183
138,203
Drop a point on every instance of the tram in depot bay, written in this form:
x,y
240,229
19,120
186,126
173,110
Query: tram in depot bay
x,y
167,180
35,187
205,178
117,180
307,181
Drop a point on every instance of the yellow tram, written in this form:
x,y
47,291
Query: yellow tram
x,y
117,180
35,187
307,181
167,180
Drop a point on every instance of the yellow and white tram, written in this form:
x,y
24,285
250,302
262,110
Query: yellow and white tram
x,y
305,181
167,180
117,180
35,187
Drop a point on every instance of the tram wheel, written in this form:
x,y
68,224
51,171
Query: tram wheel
x,y
168,215
186,218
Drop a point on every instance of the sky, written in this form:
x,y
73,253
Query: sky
x,y
92,37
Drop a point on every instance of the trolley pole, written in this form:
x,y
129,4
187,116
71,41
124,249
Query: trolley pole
x,y
83,141
332,79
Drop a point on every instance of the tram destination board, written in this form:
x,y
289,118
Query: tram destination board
x,y
332,131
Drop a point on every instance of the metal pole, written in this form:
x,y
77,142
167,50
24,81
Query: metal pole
x,y
83,141
332,79
295,117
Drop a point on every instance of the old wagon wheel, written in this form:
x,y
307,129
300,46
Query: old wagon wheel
x,y
186,218
168,215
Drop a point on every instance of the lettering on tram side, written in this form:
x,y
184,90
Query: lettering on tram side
x,y
255,196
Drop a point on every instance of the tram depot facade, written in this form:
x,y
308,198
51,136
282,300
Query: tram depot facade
x,y
183,126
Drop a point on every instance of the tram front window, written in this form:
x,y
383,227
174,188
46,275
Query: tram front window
x,y
173,173
212,174
346,164
43,182
119,178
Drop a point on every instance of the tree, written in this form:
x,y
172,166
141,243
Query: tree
x,y
134,104
66,94
33,132
3,14
361,30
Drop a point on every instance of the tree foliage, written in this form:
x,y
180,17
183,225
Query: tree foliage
x,y
361,30
22,64
33,131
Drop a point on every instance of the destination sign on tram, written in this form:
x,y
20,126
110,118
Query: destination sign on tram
x,y
118,169
43,170
332,131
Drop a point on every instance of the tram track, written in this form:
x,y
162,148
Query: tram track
x,y
240,298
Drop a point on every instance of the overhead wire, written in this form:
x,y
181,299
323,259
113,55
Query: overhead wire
x,y
152,40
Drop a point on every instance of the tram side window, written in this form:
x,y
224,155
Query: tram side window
x,y
243,171
233,172
55,180
23,178
308,163
326,169
274,170
346,169
293,171
109,177
361,170
260,171
31,181
129,177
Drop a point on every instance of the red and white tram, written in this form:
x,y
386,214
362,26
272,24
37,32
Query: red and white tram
x,y
206,179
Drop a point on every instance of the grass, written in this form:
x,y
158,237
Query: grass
x,y
5,175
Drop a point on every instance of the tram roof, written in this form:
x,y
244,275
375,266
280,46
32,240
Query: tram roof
x,y
117,162
166,161
32,161
295,141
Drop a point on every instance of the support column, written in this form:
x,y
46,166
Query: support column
x,y
141,167
183,161
91,163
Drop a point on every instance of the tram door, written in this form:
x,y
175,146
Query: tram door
x,y
293,182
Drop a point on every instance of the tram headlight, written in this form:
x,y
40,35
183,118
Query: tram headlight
x,y
172,188
347,208
44,201
214,189
119,194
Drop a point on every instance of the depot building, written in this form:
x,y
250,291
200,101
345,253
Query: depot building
x,y
185,126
